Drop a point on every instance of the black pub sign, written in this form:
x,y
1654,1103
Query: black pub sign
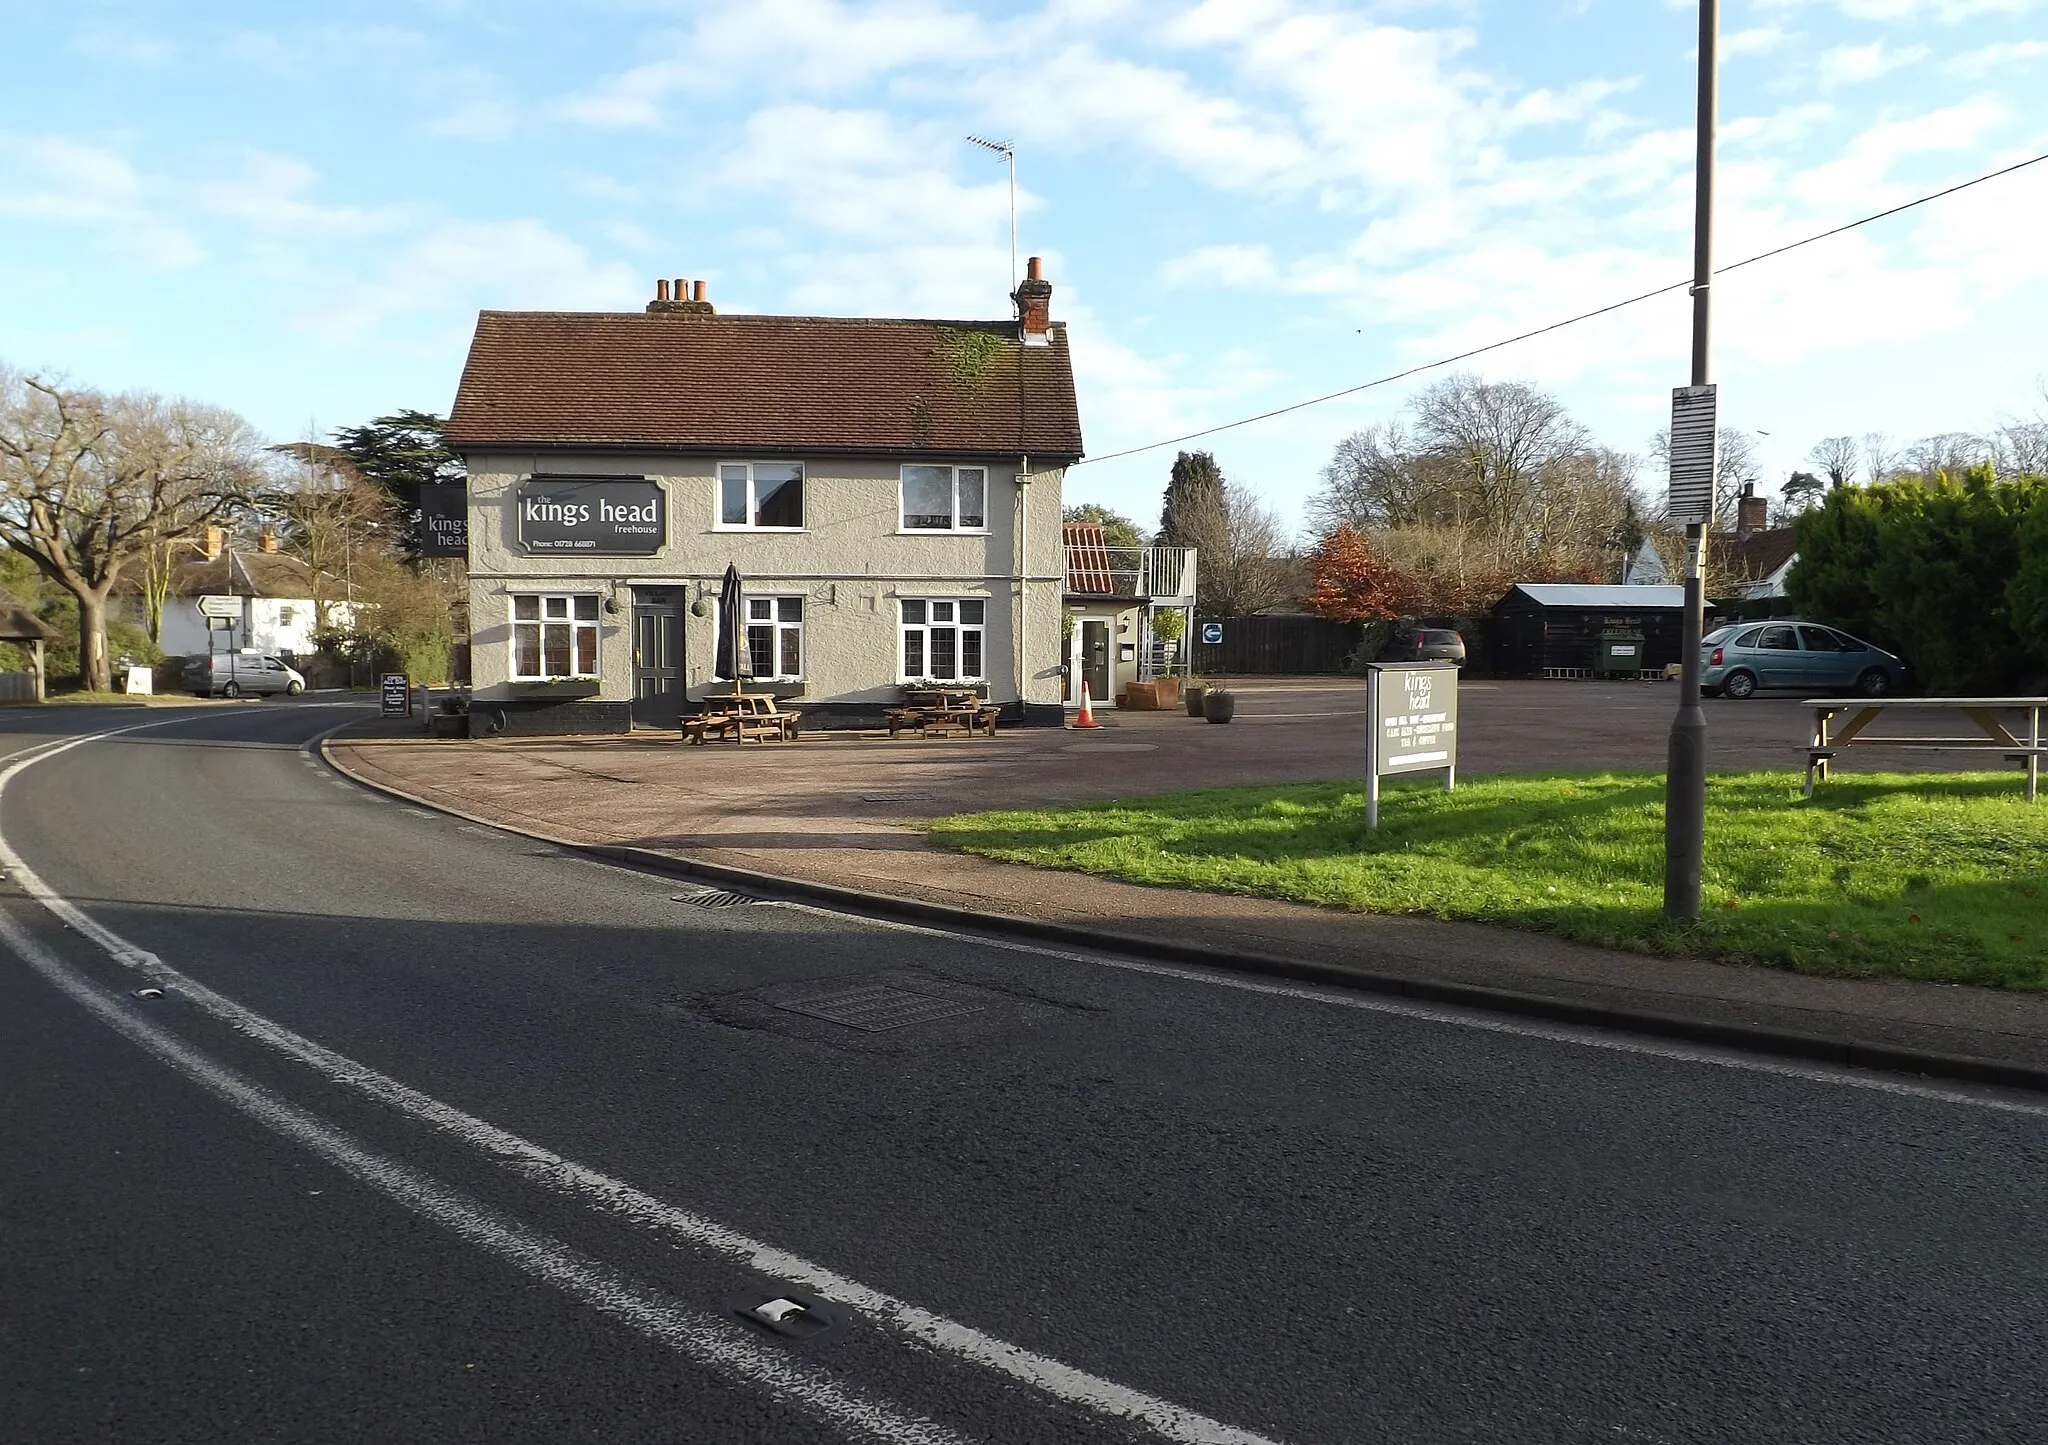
x,y
444,520
591,516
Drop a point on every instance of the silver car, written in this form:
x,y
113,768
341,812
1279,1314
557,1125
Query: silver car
x,y
235,674
1737,660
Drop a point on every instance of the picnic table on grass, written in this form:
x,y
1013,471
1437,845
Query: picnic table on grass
x,y
740,717
942,710
1993,735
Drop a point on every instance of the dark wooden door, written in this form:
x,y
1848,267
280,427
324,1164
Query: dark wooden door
x,y
1095,659
657,657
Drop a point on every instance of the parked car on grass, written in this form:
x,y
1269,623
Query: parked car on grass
x,y
1737,660
234,674
1424,644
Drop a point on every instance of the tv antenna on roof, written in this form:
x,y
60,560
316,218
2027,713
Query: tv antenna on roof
x,y
1008,151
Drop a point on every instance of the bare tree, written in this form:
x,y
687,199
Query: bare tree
x,y
2020,447
328,514
1243,562
1735,468
1503,444
1880,457
1374,479
1836,457
1945,454
90,483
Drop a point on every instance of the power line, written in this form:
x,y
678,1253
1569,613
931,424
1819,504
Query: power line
x,y
1568,321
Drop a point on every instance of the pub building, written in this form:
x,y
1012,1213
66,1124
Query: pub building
x,y
889,490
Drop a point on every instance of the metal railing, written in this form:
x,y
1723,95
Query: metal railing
x,y
1142,574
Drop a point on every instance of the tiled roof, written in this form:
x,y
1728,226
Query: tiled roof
x,y
238,573
765,384
1088,569
18,624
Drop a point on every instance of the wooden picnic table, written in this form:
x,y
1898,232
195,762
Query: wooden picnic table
x,y
939,711
742,716
1993,735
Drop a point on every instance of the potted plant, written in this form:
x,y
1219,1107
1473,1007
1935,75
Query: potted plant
x,y
1218,704
450,718
1196,687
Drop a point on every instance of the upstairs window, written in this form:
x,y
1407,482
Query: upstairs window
x,y
761,496
945,499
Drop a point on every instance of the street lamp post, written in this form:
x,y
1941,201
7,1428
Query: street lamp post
x,y
1685,775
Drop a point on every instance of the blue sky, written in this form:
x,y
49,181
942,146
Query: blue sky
x,y
296,211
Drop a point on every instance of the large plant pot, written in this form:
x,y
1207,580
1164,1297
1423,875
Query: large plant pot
x,y
1219,707
1194,697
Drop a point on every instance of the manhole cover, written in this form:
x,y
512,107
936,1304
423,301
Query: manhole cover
x,y
714,898
876,1008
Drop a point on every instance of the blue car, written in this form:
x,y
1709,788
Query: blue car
x,y
1737,660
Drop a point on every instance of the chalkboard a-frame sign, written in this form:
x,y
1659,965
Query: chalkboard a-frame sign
x,y
1411,725
591,516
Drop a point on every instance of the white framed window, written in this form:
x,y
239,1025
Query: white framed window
x,y
942,638
945,499
775,637
553,635
760,497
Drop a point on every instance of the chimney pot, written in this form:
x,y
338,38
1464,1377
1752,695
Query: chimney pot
x,y
661,290
698,293
1034,306
682,289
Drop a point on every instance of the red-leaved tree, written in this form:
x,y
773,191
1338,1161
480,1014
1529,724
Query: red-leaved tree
x,y
1353,584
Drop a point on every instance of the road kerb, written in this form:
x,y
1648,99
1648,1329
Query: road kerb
x,y
1755,1038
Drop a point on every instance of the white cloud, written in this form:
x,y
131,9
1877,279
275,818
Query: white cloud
x,y
1976,64
440,279
1950,11
270,194
56,179
1858,64
484,119
1222,266
1756,40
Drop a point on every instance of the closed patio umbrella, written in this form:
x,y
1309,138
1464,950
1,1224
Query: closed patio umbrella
x,y
731,629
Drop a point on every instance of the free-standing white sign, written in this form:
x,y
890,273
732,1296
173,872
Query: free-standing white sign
x,y
1411,725
229,607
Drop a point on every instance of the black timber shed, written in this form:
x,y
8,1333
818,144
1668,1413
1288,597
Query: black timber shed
x,y
1545,627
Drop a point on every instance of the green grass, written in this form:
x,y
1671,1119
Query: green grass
x,y
1930,876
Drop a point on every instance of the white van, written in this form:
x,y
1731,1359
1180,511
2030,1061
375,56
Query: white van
x,y
233,674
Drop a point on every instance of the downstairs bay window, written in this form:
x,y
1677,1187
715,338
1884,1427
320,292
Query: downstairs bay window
x,y
553,635
942,638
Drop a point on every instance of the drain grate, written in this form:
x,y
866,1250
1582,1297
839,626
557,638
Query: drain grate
x,y
875,1008
715,898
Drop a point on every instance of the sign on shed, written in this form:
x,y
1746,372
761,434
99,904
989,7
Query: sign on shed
x,y
229,607
1412,725
396,690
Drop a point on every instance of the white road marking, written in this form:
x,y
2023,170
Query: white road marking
x,y
614,1196
1587,1038
697,1336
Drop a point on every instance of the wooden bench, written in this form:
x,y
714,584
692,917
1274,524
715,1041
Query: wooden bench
x,y
750,715
937,713
1828,742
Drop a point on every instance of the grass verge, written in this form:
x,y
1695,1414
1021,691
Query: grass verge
x,y
1940,877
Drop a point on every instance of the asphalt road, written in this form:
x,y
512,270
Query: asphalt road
x,y
438,1134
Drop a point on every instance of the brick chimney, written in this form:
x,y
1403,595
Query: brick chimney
x,y
214,539
266,540
1752,513
680,299
1034,305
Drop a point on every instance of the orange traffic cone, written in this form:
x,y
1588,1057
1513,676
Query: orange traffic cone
x,y
1085,718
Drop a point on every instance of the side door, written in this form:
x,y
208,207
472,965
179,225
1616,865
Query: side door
x,y
657,657
1779,662
272,678
1095,658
